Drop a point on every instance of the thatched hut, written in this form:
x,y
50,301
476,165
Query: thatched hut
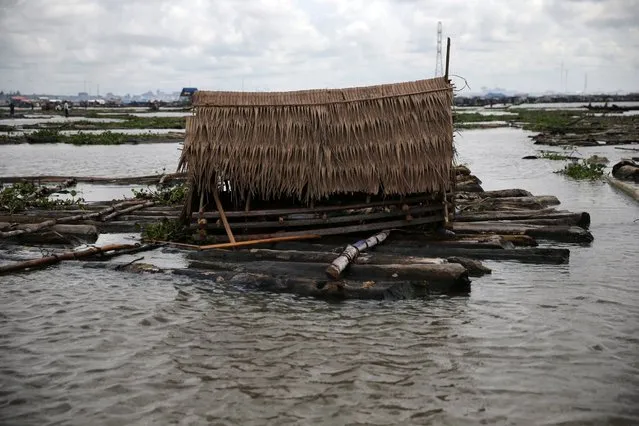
x,y
322,154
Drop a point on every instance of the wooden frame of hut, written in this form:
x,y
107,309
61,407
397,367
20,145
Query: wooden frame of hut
x,y
326,162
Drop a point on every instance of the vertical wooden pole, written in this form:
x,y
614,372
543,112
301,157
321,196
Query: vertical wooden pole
x,y
201,221
247,207
225,222
447,57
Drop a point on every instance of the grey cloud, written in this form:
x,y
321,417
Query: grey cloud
x,y
136,45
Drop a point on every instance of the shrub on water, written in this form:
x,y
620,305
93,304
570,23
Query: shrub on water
x,y
163,195
165,230
21,196
583,170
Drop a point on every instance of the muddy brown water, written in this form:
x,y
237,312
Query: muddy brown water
x,y
530,345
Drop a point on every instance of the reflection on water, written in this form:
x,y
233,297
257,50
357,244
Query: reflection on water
x,y
530,345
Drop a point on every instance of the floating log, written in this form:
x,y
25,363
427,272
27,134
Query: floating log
x,y
474,267
524,255
128,210
578,219
441,278
505,193
462,170
627,188
504,203
61,234
557,233
50,260
51,222
469,187
352,251
322,257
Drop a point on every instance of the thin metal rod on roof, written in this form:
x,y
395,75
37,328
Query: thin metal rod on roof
x,y
447,57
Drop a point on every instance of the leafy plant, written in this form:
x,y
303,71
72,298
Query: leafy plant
x,y
583,170
21,196
163,195
165,230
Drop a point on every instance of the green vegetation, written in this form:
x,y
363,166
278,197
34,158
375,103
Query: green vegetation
x,y
553,121
163,195
165,230
583,170
552,155
105,138
21,196
128,122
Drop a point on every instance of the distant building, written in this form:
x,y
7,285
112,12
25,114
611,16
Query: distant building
x,y
187,92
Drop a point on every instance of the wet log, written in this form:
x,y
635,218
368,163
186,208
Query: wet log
x,y
474,267
578,219
127,210
50,260
505,193
573,234
61,234
631,190
469,187
462,170
31,228
351,252
444,277
524,255
250,255
509,203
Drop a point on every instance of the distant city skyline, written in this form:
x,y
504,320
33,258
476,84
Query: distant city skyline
x,y
50,46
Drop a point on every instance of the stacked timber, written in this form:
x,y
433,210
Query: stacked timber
x,y
339,219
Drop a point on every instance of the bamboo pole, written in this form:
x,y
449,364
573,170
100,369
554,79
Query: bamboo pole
x,y
128,210
52,222
56,258
261,241
351,252
225,222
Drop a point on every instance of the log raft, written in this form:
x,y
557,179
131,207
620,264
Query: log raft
x,y
418,257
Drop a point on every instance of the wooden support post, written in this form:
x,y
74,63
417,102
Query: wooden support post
x,y
247,207
225,222
201,221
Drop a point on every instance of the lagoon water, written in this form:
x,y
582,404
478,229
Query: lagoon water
x,y
530,345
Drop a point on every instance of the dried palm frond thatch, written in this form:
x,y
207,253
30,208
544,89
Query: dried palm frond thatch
x,y
394,139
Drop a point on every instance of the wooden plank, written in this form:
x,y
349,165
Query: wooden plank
x,y
327,221
324,209
377,226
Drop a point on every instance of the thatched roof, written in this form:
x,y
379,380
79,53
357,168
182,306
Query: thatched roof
x,y
396,138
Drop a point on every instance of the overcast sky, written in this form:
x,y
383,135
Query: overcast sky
x,y
55,46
